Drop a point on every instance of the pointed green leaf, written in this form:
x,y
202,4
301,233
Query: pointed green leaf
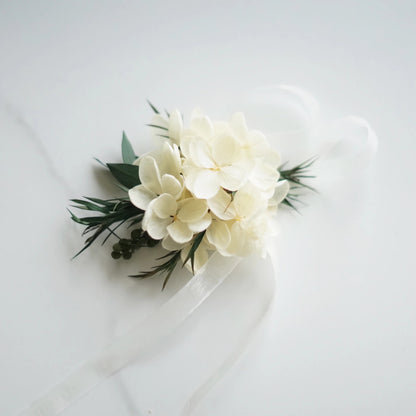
x,y
155,110
127,175
127,150
191,255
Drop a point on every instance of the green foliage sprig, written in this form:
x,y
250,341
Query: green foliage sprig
x,y
296,177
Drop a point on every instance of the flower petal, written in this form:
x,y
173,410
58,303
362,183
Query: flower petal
x,y
155,226
141,197
169,160
165,206
171,185
220,205
203,126
258,144
226,150
237,240
175,126
201,224
200,153
264,176
171,245
248,201
192,210
218,234
179,232
149,174
160,121
239,126
232,177
205,184
281,190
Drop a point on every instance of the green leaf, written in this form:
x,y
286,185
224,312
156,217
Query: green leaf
x,y
101,163
155,110
194,247
127,150
127,175
167,267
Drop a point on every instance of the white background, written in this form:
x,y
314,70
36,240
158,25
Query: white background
x,y
340,339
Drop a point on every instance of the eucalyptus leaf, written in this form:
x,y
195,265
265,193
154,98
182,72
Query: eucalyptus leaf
x,y
127,150
126,174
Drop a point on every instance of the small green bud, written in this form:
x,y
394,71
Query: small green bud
x,y
124,243
127,255
117,248
136,234
115,255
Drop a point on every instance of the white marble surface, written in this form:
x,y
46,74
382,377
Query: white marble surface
x,y
340,339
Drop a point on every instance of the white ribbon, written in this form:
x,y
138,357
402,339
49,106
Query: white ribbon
x,y
356,147
128,347
268,292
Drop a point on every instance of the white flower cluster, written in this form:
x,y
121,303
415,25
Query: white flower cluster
x,y
214,177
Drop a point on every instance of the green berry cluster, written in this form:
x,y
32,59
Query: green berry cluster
x,y
126,246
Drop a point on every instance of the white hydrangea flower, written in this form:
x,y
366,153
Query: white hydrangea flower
x,y
264,173
214,177
244,222
160,173
165,216
214,158
247,236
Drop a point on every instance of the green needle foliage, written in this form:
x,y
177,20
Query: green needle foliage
x,y
167,267
296,177
112,214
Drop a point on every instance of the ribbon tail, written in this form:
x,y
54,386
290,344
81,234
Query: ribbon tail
x,y
247,336
128,347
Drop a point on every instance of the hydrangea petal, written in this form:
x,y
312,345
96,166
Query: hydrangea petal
x,y
149,174
239,126
165,206
272,158
281,190
202,125
156,227
179,232
220,205
264,176
237,246
201,224
232,177
200,153
247,202
192,210
141,197
205,183
218,235
171,185
258,144
226,150
159,120
169,160
175,126
171,245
